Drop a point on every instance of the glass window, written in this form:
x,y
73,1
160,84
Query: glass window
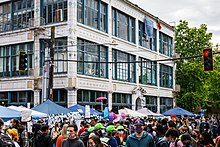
x,y
92,13
124,68
88,97
120,100
55,11
123,26
166,76
165,104
97,54
9,57
144,41
60,97
148,72
151,103
166,44
60,53
21,97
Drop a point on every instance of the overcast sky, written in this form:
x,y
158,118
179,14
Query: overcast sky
x,y
196,12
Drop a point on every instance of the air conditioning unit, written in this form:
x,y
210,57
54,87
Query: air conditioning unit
x,y
58,15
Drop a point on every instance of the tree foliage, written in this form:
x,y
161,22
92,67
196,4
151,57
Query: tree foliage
x,y
194,82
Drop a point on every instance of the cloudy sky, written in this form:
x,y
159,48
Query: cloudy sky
x,y
196,12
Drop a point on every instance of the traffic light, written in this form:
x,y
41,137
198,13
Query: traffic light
x,y
22,60
207,59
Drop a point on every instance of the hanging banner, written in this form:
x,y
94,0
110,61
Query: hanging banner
x,y
87,111
149,27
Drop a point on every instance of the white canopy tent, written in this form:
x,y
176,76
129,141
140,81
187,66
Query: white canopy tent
x,y
149,113
131,113
34,113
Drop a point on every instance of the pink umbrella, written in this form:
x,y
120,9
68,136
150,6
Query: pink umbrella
x,y
101,98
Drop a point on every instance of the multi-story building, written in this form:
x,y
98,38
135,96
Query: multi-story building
x,y
125,62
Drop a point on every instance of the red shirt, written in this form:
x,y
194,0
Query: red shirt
x,y
81,130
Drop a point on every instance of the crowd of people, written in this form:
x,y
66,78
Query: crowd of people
x,y
128,132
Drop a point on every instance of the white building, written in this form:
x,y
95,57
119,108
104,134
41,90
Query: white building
x,y
128,74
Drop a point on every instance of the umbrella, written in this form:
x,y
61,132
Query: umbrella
x,y
101,99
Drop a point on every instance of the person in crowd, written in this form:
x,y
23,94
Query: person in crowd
x,y
169,137
110,138
121,136
94,141
84,136
206,139
43,139
82,129
98,130
186,140
5,140
196,135
55,132
13,133
173,119
63,136
16,124
140,138
72,140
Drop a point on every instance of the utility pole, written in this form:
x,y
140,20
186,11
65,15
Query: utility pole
x,y
51,74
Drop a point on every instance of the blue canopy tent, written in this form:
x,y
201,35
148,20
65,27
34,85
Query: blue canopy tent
x,y
178,112
7,113
81,110
50,107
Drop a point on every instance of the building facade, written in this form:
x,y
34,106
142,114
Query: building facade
x,y
101,49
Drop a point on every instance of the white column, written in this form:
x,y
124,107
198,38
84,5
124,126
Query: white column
x,y
110,100
36,97
72,51
72,97
158,104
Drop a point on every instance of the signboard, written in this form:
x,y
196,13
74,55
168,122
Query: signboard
x,y
87,111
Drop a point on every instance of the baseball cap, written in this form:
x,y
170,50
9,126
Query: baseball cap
x,y
120,128
110,128
173,116
91,129
139,123
99,126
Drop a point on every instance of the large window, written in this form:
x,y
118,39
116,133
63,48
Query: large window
x,y
92,13
21,97
60,53
166,44
60,97
9,60
123,25
151,103
120,100
144,41
165,104
88,97
123,67
147,72
92,59
166,76
16,15
54,11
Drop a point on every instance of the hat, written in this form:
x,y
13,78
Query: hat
x,y
139,123
91,129
99,126
110,128
120,128
173,116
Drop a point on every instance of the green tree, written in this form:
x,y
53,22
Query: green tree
x,y
190,75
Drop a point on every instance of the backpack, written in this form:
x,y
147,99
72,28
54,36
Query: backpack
x,y
161,142
5,140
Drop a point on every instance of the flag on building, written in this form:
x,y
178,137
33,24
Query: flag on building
x,y
149,27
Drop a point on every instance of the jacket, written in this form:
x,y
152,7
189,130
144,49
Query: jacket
x,y
73,143
43,140
146,140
